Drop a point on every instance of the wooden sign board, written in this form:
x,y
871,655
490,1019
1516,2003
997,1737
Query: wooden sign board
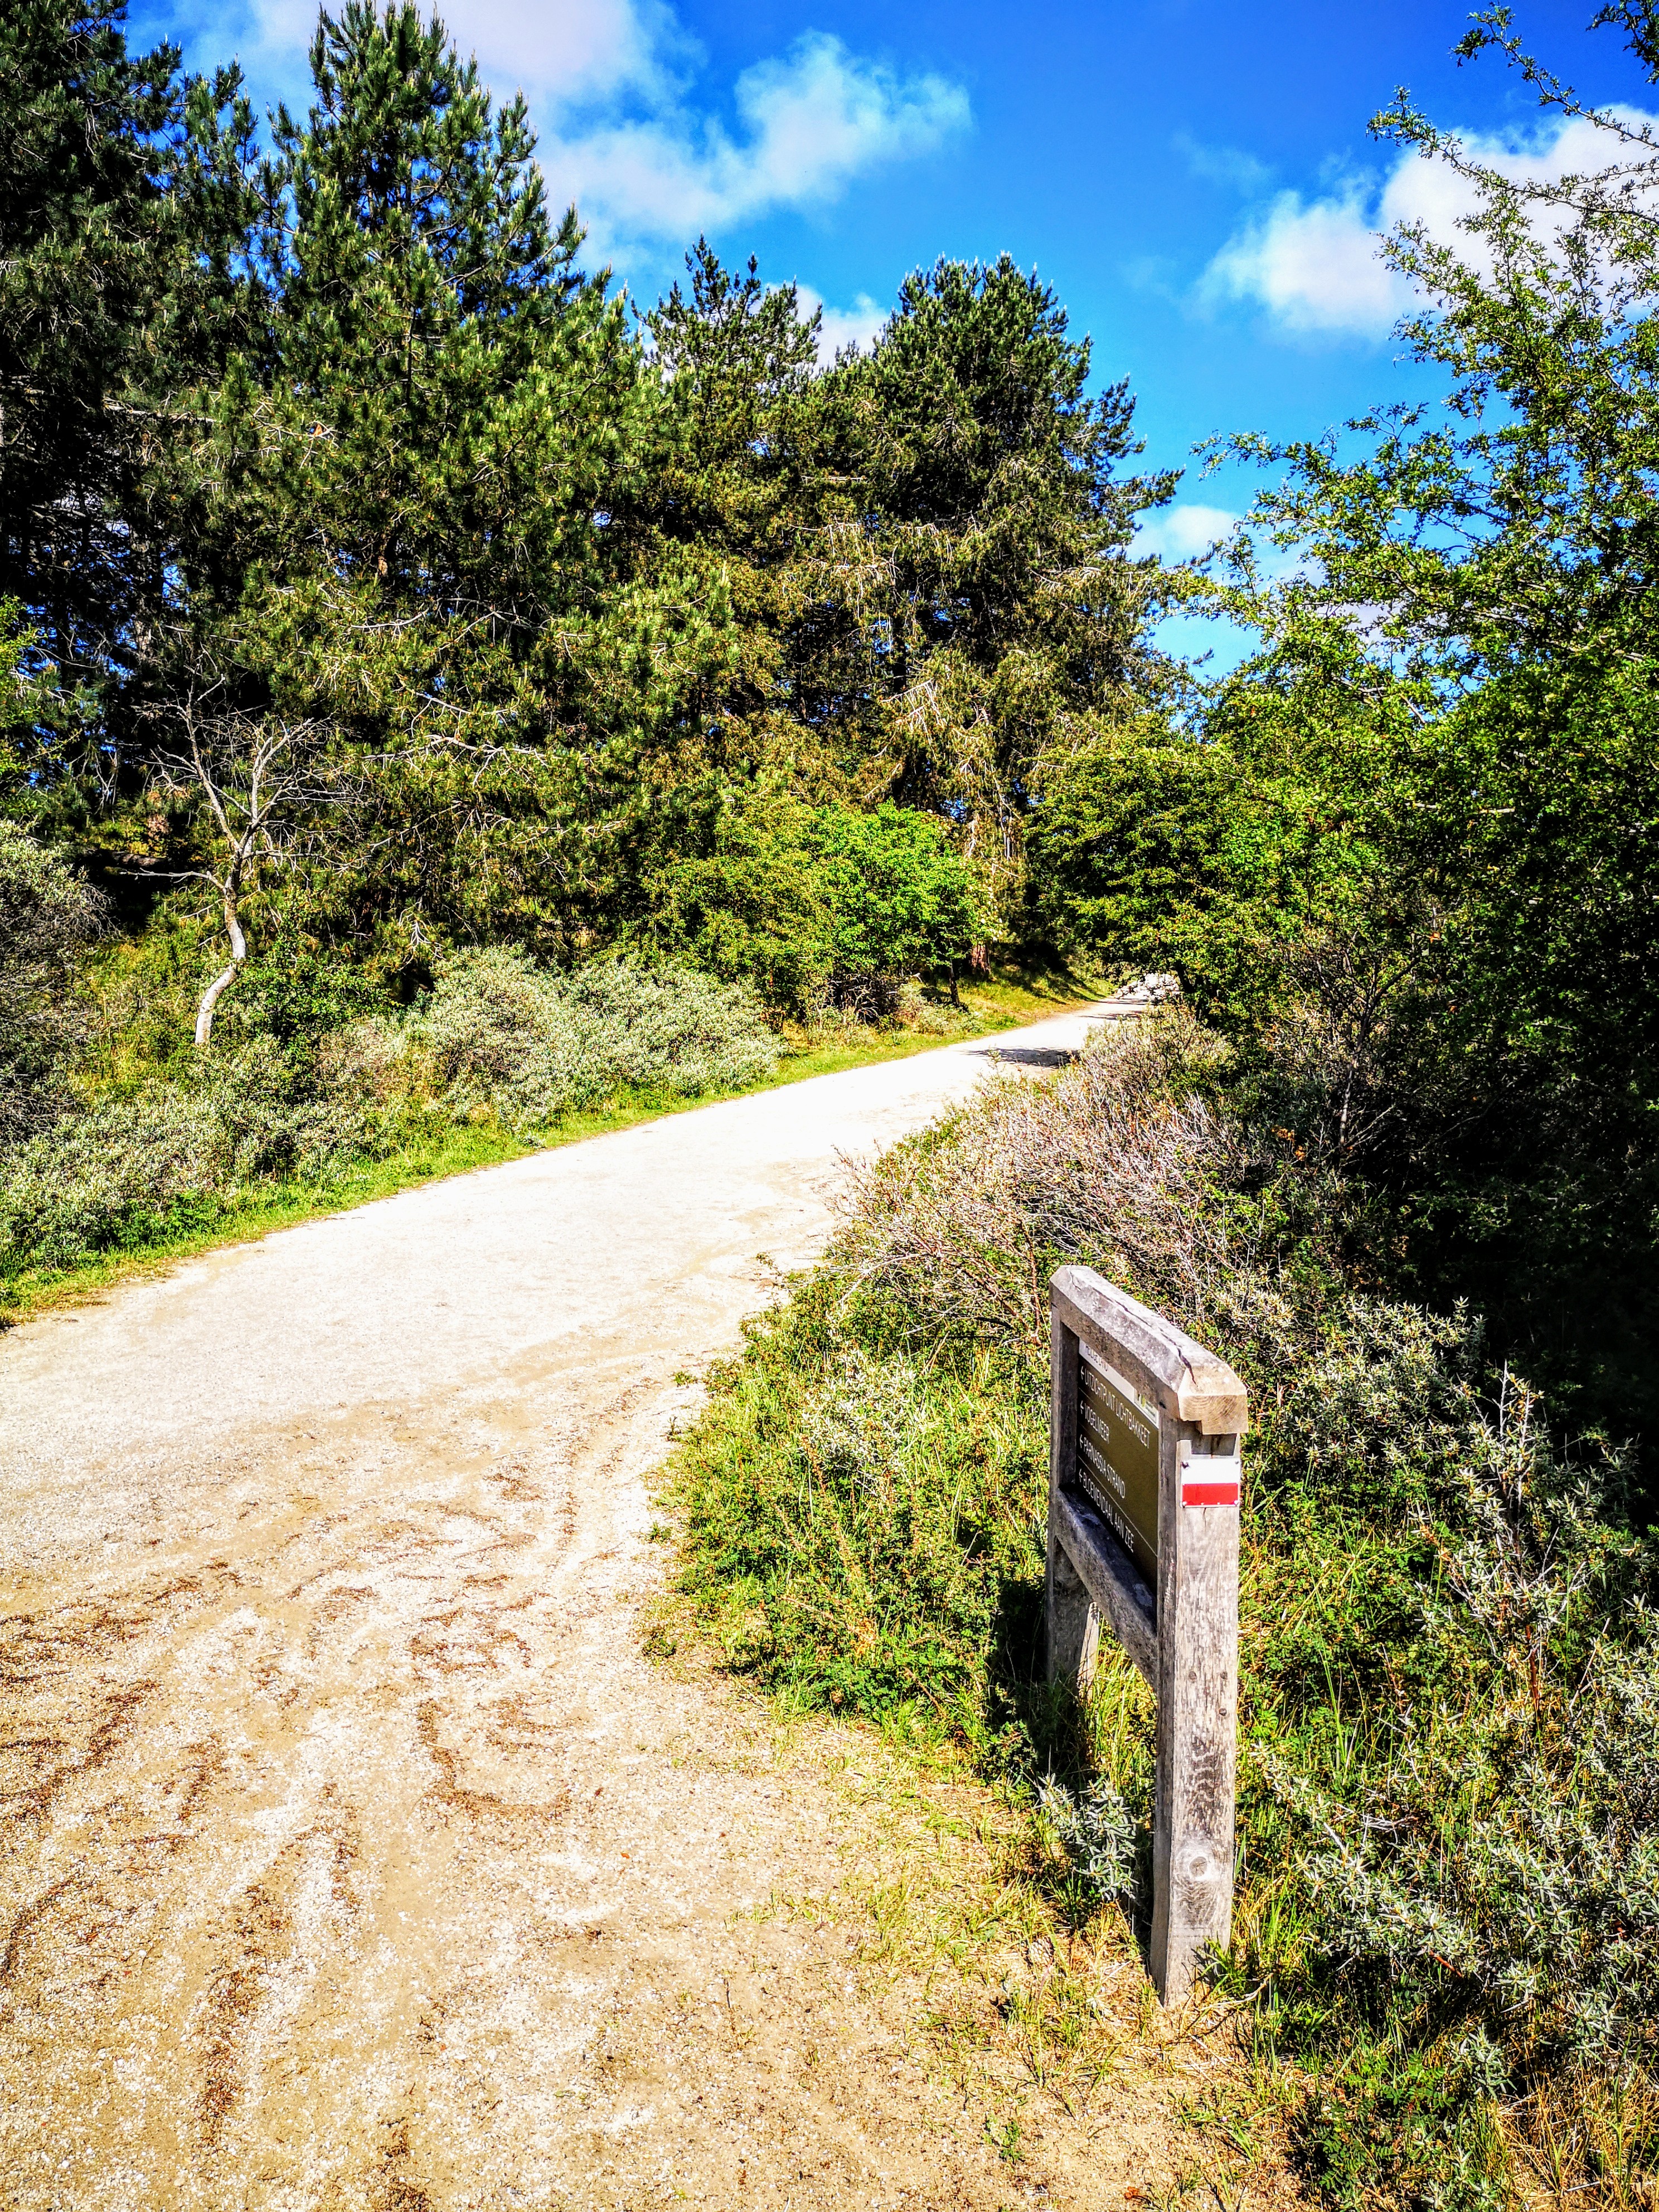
x,y
1117,1445
1142,1539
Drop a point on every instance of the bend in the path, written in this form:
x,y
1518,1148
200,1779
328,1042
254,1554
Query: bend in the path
x,y
652,1231
351,1845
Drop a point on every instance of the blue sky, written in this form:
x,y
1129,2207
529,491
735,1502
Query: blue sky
x,y
1195,178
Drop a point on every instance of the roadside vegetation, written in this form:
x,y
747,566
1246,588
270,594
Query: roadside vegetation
x,y
1446,1948
442,711
1393,1157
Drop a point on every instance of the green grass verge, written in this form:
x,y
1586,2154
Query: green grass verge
x,y
442,1148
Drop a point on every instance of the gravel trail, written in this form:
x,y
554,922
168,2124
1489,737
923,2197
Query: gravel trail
x,y
353,1853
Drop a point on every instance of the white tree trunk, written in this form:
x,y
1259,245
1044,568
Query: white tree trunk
x,y
210,996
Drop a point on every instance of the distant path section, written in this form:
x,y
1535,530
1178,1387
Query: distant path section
x,y
353,1853
648,1237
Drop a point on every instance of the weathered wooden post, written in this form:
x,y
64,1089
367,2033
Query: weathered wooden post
x,y
1143,1536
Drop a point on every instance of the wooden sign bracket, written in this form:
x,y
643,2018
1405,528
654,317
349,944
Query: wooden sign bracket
x,y
1126,1383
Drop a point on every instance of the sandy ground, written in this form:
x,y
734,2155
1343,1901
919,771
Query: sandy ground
x,y
353,1853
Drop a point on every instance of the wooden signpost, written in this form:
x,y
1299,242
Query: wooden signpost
x,y
1143,1536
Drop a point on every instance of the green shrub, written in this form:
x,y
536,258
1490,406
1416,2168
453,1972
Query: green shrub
x,y
179,1150
1448,1911
503,1034
816,905
743,903
856,1523
298,996
114,1176
48,915
379,1061
900,897
532,1044
673,1029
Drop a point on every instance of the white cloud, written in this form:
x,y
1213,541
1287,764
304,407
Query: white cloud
x,y
1184,530
1314,265
856,325
626,133
573,49
810,122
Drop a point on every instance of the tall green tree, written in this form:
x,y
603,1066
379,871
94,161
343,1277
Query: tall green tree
x,y
925,549
1425,872
124,208
412,489
753,487
1005,613
735,493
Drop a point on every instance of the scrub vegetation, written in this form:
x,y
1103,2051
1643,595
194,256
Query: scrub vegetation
x,y
496,1041
1445,1962
443,710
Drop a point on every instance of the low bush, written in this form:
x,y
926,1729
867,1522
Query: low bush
x,y
531,1044
673,1029
1449,1909
503,1035
859,1523
128,1171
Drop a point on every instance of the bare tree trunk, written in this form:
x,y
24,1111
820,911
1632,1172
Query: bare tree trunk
x,y
251,773
210,996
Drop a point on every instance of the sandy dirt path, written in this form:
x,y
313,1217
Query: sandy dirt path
x,y
353,1853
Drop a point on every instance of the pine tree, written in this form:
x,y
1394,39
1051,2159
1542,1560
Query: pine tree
x,y
927,554
431,317
413,493
121,210
734,493
1006,614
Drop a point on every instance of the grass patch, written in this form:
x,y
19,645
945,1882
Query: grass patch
x,y
864,1534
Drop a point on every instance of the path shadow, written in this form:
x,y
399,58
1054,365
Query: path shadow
x,y
1027,1055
